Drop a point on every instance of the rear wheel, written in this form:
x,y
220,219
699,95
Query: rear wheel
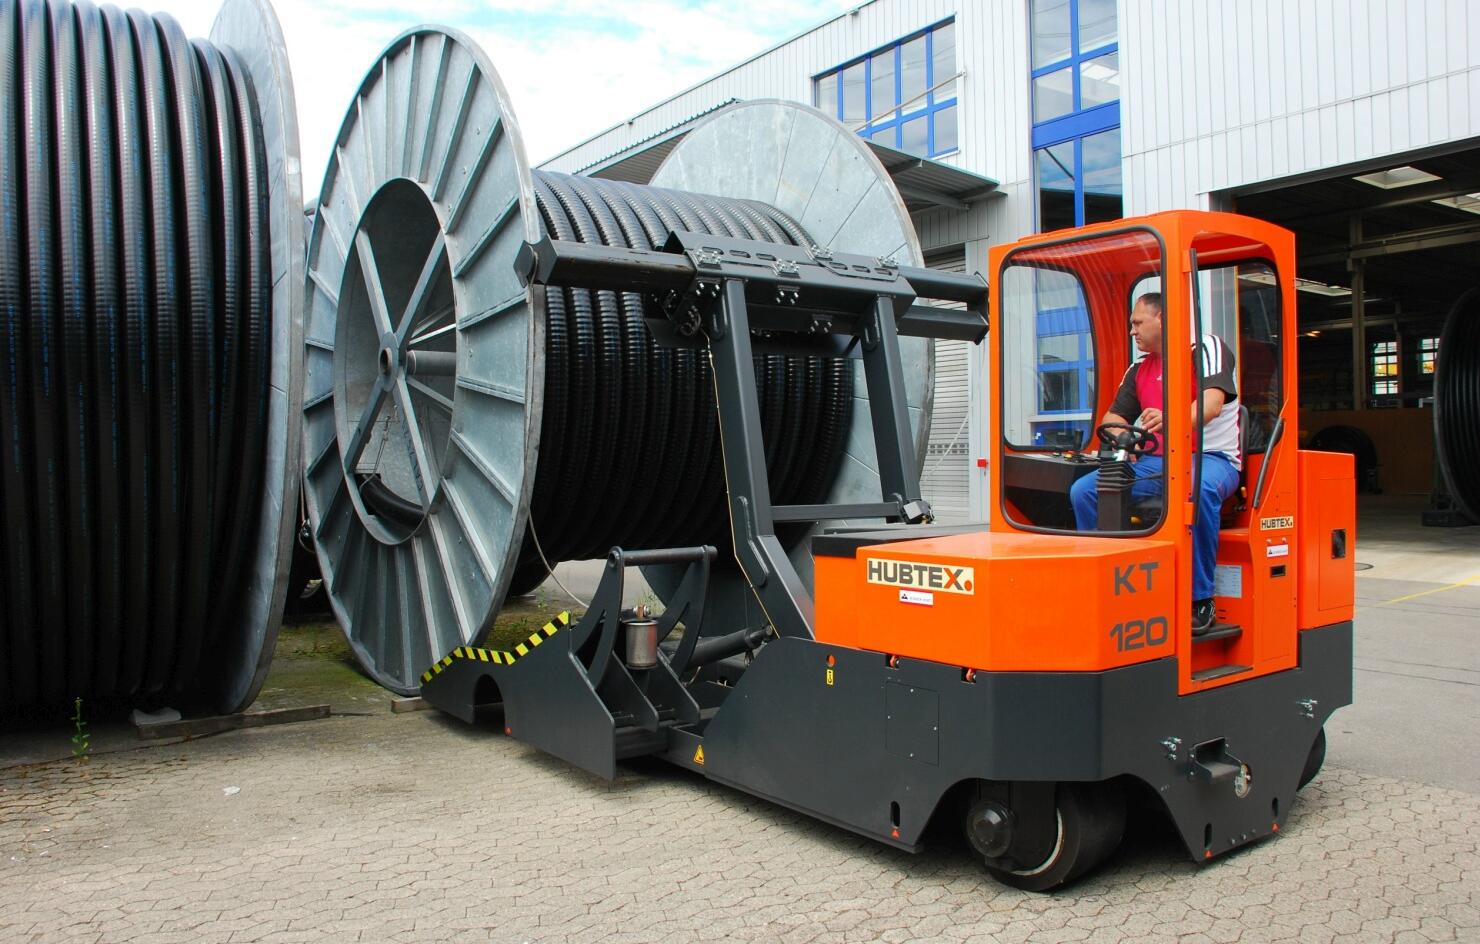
x,y
1314,760
1086,826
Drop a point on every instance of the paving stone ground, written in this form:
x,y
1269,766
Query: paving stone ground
x,y
389,828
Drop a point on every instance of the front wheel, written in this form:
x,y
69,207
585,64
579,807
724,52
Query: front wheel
x,y
1088,822
1314,760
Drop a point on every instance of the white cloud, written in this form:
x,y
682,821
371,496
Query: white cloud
x,y
573,67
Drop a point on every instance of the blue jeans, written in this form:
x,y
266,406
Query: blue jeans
x,y
1219,480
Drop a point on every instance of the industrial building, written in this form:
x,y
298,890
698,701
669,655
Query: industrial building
x,y
1356,125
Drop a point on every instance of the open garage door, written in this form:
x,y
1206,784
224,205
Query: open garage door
x,y
946,481
1384,254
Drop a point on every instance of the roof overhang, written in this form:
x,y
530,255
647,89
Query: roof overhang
x,y
924,184
927,184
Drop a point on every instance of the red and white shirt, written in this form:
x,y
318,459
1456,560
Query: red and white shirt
x,y
1142,389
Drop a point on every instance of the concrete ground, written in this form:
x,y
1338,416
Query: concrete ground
x,y
373,826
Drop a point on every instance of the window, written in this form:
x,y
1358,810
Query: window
x,y
1256,304
1428,352
902,96
1059,395
1384,367
1076,112
1060,328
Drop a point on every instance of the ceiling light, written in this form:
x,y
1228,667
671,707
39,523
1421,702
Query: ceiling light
x,y
1321,288
1396,177
1469,202
1304,285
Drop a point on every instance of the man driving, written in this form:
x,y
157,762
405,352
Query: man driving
x,y
1139,401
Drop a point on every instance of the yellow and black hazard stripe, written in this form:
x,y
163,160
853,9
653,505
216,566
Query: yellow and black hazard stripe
x,y
498,656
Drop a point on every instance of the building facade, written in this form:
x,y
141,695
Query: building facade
x,y
1355,123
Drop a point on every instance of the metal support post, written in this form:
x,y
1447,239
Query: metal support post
x,y
890,413
771,575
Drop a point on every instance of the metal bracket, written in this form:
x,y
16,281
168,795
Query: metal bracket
x,y
1213,764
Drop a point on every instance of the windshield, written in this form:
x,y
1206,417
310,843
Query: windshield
x,y
1073,318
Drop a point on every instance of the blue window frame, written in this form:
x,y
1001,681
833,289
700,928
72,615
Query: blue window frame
x,y
1066,363
1076,112
903,95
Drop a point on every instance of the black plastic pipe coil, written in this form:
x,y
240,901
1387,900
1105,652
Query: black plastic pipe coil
x,y
134,327
629,446
1457,402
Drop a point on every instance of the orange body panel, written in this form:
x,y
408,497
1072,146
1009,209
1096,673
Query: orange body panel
x,y
1328,503
1035,602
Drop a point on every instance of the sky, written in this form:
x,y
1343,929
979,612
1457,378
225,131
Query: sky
x,y
572,67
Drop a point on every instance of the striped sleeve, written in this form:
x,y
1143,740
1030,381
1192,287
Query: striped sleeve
x,y
1218,366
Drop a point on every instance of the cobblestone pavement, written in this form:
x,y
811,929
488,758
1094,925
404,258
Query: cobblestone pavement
x,y
411,827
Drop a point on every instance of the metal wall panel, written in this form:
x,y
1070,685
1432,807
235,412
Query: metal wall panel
x,y
1218,95
994,116
946,482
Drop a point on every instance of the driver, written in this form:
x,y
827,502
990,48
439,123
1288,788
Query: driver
x,y
1139,398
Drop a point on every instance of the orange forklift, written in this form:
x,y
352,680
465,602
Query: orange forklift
x,y
1021,679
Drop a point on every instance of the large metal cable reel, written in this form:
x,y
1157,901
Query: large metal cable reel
x,y
251,29
149,251
807,165
1457,404
423,394
425,380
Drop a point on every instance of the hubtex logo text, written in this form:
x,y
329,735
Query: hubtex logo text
x,y
897,573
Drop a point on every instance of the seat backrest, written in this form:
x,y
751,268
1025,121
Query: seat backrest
x,y
1248,437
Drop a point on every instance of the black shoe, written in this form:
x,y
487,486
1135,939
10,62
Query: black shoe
x,y
1203,617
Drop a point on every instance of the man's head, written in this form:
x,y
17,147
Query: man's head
x,y
1146,322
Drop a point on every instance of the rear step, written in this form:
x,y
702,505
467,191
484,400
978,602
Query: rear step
x,y
1219,671
1219,631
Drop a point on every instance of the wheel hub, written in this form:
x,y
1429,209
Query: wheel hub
x,y
989,827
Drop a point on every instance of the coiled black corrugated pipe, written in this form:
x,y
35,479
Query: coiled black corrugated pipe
x,y
1457,403
134,310
629,448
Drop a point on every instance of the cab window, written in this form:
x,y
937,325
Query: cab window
x,y
1050,405
1065,354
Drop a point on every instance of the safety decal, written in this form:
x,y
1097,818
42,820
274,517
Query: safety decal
x,y
699,755
496,656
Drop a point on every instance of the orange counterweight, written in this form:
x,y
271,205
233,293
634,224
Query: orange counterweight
x,y
1008,602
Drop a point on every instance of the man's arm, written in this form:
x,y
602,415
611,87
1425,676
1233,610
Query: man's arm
x,y
1213,400
1126,403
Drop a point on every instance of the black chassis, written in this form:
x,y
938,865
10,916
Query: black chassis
x,y
873,743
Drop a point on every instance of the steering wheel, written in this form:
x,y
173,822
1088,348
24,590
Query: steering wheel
x,y
1133,439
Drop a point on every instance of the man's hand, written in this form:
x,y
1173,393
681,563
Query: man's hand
x,y
1150,420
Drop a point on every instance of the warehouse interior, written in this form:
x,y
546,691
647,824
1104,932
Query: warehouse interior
x,y
1384,254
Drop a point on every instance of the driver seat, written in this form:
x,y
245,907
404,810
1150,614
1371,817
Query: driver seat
x,y
1149,509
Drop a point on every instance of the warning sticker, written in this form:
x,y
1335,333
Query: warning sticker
x,y
699,755
917,597
1228,581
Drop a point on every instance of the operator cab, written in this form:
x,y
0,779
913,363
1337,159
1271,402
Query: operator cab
x,y
1062,346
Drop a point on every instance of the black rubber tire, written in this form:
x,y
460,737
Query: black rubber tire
x,y
1314,760
1091,821
1355,442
